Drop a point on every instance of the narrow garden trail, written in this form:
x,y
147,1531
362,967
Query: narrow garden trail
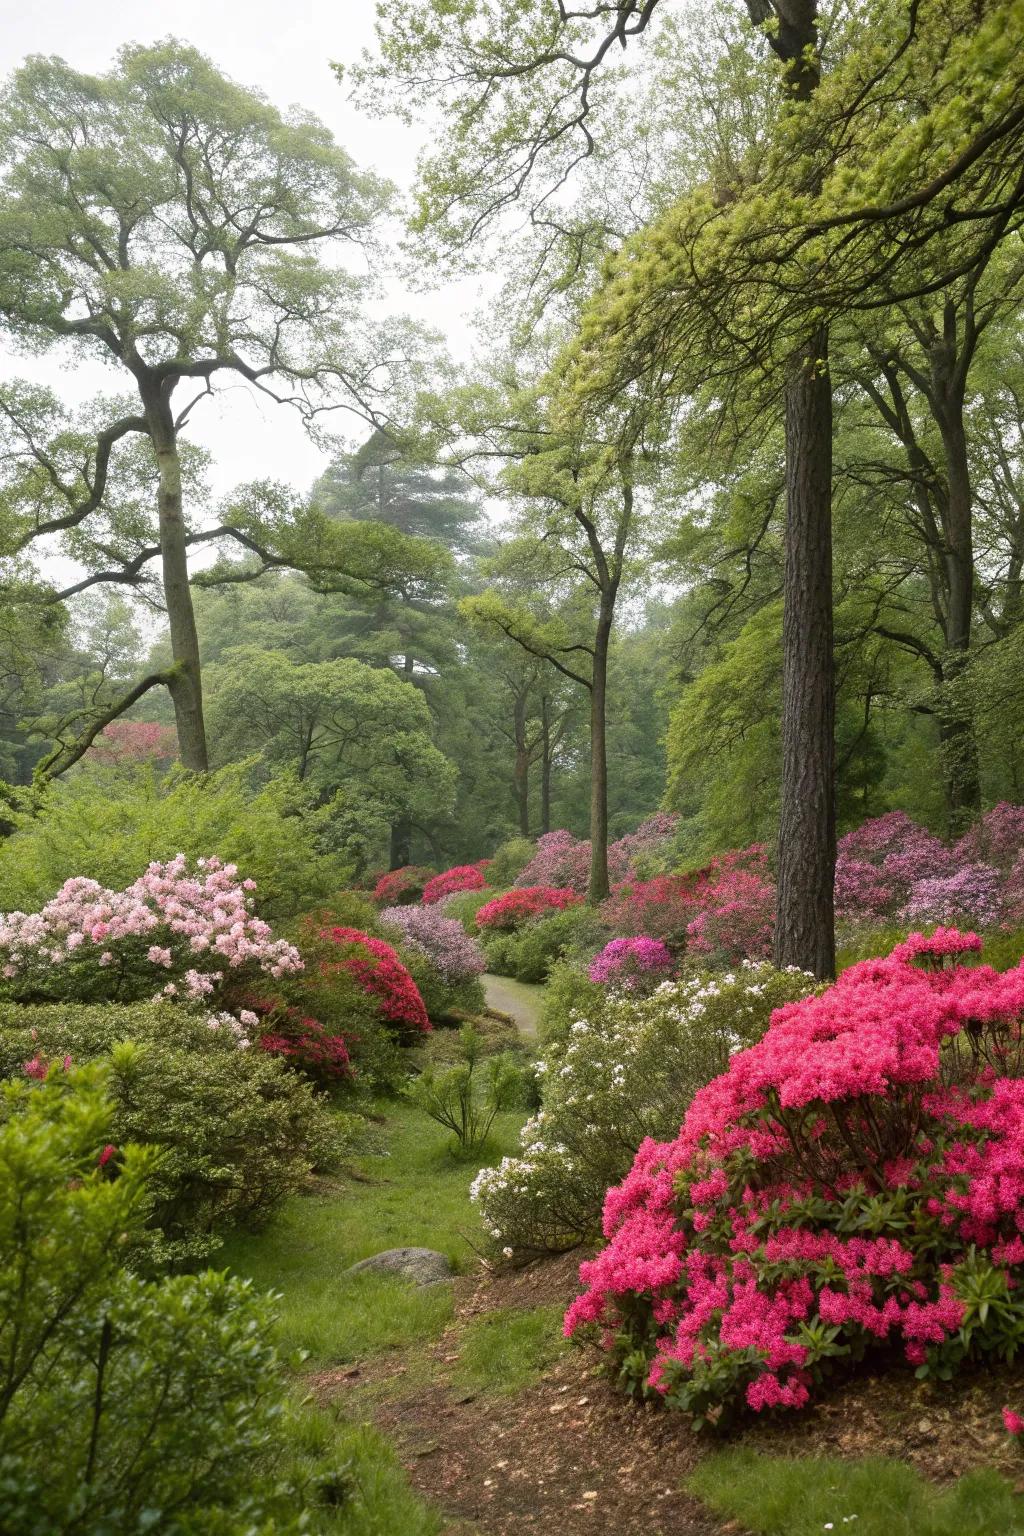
x,y
520,1000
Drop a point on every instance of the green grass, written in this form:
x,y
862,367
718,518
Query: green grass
x,y
782,1496
507,1350
416,1195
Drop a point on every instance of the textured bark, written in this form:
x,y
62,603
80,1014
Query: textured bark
x,y
185,684
598,888
547,752
804,929
521,771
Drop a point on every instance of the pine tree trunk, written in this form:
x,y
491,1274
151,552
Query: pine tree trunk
x,y
804,928
186,687
545,766
521,771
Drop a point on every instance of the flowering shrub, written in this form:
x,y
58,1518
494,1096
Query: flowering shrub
x,y
624,1071
307,1044
635,964
971,896
736,918
135,741
380,974
179,930
443,940
519,905
662,908
855,1177
563,860
464,877
401,885
530,952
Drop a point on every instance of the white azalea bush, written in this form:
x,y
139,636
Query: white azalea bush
x,y
626,1070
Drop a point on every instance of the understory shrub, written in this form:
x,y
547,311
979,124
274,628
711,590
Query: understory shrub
x,y
125,1405
464,877
624,1072
518,906
399,886
451,962
529,951
855,1179
631,965
236,1130
180,930
107,824
569,995
377,970
467,1097
465,905
509,861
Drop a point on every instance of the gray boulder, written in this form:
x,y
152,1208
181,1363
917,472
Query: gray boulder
x,y
420,1265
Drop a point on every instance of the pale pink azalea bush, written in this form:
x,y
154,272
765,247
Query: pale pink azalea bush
x,y
564,860
854,1179
442,940
180,931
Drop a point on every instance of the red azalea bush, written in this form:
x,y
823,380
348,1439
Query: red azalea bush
x,y
464,877
725,909
856,1178
301,1040
518,906
401,886
380,974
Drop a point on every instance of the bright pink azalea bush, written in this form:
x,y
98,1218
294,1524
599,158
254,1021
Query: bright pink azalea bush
x,y
377,970
518,906
464,877
182,931
855,1179
725,910
890,870
632,964
735,918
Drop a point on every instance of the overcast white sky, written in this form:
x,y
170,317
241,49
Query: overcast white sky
x,y
285,50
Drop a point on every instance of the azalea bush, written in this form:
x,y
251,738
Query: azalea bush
x,y
464,877
661,908
530,951
399,886
517,906
624,1071
125,1404
378,972
181,931
563,860
854,1180
450,961
891,870
735,919
237,1132
632,964
723,912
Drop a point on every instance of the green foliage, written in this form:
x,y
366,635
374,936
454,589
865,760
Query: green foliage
x,y
237,1131
625,1069
801,1496
466,904
467,1098
164,1397
505,1351
109,823
442,999
508,861
528,953
569,995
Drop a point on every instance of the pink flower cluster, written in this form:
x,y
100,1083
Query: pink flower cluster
x,y
184,929
563,860
135,741
736,918
442,940
519,905
824,1192
401,885
464,877
725,909
633,964
891,869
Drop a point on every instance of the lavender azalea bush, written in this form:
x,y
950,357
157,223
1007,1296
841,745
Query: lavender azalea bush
x,y
442,940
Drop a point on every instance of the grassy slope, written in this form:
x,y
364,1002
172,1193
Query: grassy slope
x,y
408,1191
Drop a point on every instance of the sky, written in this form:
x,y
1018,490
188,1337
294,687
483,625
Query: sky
x,y
286,52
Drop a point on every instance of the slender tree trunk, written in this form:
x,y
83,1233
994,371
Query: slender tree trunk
x,y
545,765
804,928
599,888
521,771
959,742
401,843
186,686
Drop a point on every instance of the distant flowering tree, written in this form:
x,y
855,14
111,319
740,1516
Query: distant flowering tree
x,y
187,931
518,906
443,940
464,877
135,741
855,1178
632,964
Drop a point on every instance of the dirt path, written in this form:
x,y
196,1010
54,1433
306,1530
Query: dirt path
x,y
519,999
